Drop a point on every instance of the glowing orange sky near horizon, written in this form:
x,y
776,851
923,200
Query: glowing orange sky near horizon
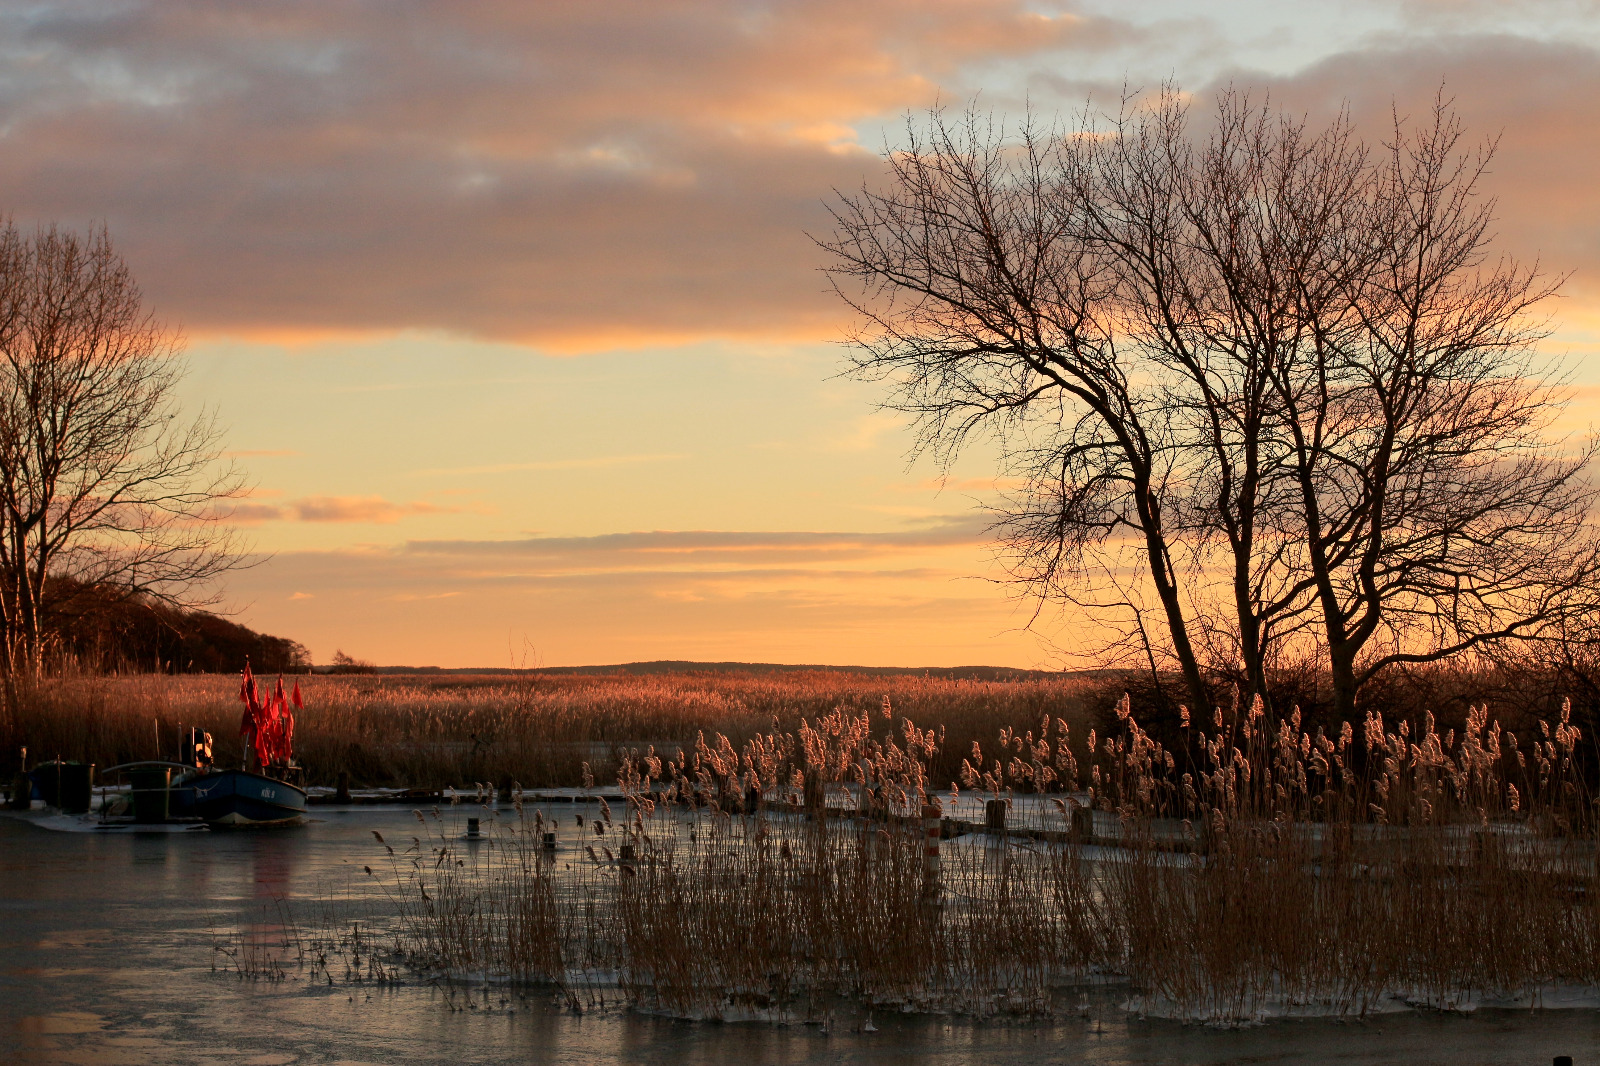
x,y
515,320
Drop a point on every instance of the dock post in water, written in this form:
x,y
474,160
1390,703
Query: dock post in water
x,y
342,794
472,829
815,795
994,816
1082,824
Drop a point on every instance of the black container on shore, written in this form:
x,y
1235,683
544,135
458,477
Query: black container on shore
x,y
67,785
77,787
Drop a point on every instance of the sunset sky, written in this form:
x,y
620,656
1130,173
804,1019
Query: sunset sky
x,y
513,316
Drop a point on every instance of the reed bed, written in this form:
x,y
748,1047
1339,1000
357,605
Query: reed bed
x,y
423,731
1256,869
1235,867
714,915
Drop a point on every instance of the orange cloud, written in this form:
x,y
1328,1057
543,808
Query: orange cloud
x,y
358,509
366,509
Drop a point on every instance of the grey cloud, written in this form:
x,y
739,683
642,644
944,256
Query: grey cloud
x,y
1536,98
502,169
347,570
915,595
643,561
572,172
701,546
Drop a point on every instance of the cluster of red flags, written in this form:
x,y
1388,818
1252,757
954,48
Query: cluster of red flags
x,y
268,723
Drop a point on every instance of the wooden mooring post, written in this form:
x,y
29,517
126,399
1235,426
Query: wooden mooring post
x,y
1082,824
994,816
816,795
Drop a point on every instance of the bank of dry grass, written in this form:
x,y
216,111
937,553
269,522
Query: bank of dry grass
x,y
426,731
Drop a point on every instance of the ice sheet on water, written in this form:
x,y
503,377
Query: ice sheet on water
x,y
54,820
1258,1011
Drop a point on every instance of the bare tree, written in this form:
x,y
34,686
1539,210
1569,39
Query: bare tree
x,y
1266,358
1439,512
1208,236
103,486
990,313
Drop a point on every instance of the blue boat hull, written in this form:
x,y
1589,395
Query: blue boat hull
x,y
238,798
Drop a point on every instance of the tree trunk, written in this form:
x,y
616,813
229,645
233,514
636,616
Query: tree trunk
x,y
1167,589
1342,666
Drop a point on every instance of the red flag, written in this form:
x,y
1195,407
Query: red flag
x,y
267,720
261,715
280,724
247,688
288,722
257,721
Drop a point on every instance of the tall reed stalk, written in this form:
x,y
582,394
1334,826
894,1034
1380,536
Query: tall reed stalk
x,y
1259,868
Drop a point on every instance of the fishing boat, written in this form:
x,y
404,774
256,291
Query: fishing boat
x,y
238,798
267,791
165,792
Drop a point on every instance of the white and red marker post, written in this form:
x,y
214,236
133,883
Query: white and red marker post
x,y
932,819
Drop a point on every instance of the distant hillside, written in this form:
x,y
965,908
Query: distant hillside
x,y
678,666
109,629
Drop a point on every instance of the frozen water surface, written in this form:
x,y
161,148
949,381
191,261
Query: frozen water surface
x,y
106,958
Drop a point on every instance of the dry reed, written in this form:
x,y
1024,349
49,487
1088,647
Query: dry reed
x,y
1257,869
1251,866
417,730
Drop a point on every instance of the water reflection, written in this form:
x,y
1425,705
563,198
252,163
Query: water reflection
x,y
266,936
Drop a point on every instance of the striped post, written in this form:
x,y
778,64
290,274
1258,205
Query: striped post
x,y
932,814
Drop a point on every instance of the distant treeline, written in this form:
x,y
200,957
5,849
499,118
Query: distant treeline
x,y
682,666
108,629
